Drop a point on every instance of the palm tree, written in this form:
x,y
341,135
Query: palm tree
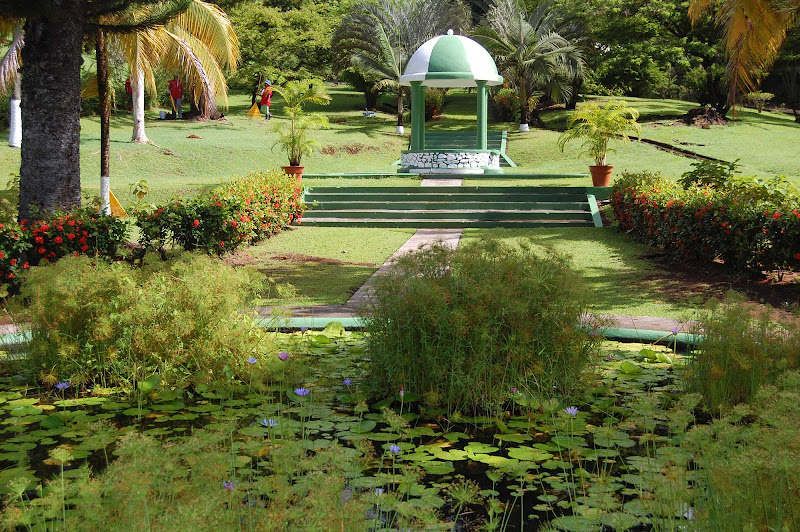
x,y
379,36
50,169
530,52
753,32
9,77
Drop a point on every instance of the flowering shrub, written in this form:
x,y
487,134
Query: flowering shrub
x,y
747,231
246,210
80,232
434,102
506,105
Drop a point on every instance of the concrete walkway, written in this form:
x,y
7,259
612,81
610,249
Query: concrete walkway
x,y
449,237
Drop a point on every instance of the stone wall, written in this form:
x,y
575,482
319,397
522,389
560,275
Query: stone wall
x,y
421,161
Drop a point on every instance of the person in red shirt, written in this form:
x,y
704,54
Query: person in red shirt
x,y
266,98
176,93
129,92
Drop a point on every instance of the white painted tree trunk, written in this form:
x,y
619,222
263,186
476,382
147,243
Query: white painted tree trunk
x,y
15,124
400,130
523,128
105,197
137,85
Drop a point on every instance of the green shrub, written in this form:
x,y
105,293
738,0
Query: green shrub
x,y
434,102
461,328
749,224
740,353
506,105
109,324
243,211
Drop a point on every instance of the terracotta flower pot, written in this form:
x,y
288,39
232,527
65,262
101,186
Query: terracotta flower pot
x,y
601,175
296,171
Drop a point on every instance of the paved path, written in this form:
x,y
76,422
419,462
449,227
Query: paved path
x,y
450,237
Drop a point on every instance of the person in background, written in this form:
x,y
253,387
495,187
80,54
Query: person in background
x,y
176,93
266,98
129,92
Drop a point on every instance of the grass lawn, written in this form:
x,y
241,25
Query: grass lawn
x,y
178,164
320,265
619,279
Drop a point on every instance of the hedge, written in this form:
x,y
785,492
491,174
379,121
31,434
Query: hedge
x,y
243,211
747,232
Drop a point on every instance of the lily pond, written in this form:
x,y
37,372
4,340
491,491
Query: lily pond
x,y
316,455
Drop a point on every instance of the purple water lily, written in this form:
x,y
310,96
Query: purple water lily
x,y
302,392
303,329
61,386
513,390
252,360
348,382
283,356
228,485
378,491
394,448
675,330
269,423
571,410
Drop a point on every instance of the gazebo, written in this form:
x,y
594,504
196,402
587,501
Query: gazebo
x,y
450,61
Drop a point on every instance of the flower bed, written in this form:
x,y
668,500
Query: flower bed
x,y
246,210
746,231
80,232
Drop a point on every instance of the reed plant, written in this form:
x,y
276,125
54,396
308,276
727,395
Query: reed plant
x,y
463,327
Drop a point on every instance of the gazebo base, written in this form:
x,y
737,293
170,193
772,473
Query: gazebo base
x,y
450,162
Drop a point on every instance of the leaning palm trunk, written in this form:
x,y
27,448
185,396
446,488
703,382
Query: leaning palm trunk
x,y
10,70
50,172
137,87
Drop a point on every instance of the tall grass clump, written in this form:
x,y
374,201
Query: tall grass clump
x,y
740,352
463,327
749,463
109,324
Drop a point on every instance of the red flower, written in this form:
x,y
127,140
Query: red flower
x,y
45,227
3,255
71,236
13,261
797,256
84,248
195,223
58,240
71,223
222,244
233,223
82,240
776,216
26,266
42,251
10,275
39,240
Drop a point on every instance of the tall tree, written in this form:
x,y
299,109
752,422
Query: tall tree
x,y
753,32
530,52
378,37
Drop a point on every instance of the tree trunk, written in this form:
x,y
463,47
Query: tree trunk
x,y
137,86
50,172
208,105
101,51
523,102
14,115
400,107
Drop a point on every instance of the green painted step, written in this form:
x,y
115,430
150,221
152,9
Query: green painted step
x,y
441,198
434,205
315,216
446,224
453,190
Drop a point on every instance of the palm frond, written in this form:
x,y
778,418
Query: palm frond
x,y
185,53
9,65
211,26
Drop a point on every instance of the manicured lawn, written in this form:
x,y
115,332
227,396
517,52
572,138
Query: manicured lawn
x,y
617,278
320,265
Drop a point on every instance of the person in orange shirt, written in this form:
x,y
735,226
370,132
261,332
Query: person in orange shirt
x,y
266,98
176,92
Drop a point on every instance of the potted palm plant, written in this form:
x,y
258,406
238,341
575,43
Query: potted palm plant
x,y
293,137
596,126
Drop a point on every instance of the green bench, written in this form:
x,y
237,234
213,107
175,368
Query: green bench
x,y
467,140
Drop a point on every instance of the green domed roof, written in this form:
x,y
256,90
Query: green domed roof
x,y
451,61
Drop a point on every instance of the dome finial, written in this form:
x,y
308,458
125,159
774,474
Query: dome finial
x,y
450,31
